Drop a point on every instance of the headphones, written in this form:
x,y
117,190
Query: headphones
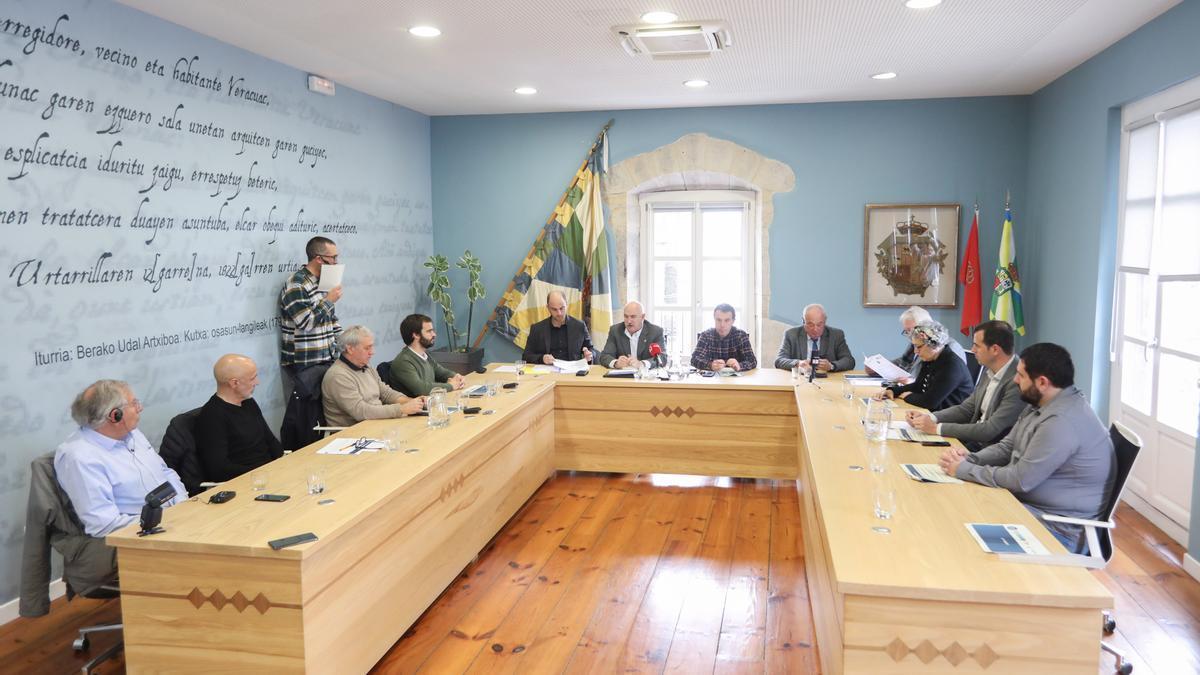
x,y
116,415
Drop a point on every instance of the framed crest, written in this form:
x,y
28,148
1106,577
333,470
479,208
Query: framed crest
x,y
910,255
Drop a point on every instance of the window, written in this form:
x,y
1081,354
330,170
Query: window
x,y
698,251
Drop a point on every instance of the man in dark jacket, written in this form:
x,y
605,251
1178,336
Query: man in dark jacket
x,y
231,435
558,336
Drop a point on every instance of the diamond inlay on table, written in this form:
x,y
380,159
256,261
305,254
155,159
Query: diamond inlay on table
x,y
239,601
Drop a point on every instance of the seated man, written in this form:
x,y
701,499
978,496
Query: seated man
x,y
629,341
723,345
107,466
352,391
826,342
1058,458
231,435
943,380
413,371
991,410
558,336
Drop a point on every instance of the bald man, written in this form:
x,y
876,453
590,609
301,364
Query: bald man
x,y
629,341
558,336
231,435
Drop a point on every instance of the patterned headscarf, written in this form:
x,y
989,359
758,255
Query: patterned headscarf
x,y
933,333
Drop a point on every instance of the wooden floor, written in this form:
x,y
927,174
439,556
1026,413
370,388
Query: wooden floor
x,y
655,573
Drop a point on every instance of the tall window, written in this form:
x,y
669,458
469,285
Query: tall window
x,y
1156,345
697,252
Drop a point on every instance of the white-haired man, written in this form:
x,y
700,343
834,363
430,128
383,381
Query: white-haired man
x,y
352,391
815,344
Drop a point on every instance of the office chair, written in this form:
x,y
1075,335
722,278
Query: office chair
x,y
385,372
1126,445
88,564
178,450
973,367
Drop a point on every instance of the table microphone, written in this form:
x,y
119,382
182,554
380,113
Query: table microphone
x,y
656,353
812,365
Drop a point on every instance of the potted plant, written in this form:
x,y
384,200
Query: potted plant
x,y
461,358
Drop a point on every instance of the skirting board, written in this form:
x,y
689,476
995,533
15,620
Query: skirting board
x,y
11,609
1191,566
1161,521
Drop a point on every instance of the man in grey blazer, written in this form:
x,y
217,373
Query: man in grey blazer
x,y
831,349
992,409
618,351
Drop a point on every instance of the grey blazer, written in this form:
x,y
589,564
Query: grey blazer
x,y
962,421
618,345
833,347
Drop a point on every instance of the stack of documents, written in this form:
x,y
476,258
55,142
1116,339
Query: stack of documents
x,y
1005,538
351,446
901,431
885,368
570,366
928,473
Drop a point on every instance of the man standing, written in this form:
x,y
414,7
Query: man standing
x,y
352,391
723,345
308,323
231,435
414,372
815,338
107,466
629,342
558,336
1058,458
992,409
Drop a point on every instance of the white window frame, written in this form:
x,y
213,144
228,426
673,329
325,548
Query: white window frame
x,y
749,305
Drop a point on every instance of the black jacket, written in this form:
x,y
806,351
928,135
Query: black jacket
x,y
941,383
538,343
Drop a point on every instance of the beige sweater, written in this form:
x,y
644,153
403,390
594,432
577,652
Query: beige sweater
x,y
351,396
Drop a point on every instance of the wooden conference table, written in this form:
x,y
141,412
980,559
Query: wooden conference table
x,y
210,595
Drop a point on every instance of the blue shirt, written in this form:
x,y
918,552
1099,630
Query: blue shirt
x,y
107,479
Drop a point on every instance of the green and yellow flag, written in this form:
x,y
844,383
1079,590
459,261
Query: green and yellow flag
x,y
1006,288
571,255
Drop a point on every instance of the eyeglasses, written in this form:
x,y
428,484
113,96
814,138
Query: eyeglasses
x,y
135,403
906,332
328,259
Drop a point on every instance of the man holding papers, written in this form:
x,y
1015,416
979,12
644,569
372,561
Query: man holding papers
x,y
558,336
307,319
991,410
1058,458
629,342
414,372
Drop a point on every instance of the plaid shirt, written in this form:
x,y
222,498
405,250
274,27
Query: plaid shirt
x,y
736,345
308,324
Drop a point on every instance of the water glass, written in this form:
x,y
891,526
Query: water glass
x,y
877,420
258,481
877,456
316,481
520,366
796,374
491,386
439,416
884,498
847,389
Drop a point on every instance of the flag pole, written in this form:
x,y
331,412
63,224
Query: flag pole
x,y
542,234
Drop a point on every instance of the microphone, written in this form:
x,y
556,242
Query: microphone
x,y
812,365
656,353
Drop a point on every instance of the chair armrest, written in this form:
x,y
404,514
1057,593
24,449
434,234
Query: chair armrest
x,y
1106,524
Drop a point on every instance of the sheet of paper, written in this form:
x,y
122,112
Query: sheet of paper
x,y
530,369
477,390
885,368
331,276
351,446
570,366
899,430
928,473
616,372
873,382
1005,538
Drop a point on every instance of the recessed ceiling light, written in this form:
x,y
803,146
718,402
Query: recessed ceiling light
x,y
525,91
696,84
921,4
425,31
883,76
659,17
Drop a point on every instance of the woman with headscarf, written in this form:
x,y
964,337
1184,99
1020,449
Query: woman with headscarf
x,y
943,379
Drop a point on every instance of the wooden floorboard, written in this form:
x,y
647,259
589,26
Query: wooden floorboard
x,y
661,574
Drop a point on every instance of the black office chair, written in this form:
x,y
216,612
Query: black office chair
x,y
973,367
1126,445
178,450
89,565
384,368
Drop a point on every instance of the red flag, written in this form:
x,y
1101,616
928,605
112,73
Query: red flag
x,y
968,275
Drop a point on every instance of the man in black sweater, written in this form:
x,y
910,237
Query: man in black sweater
x,y
231,435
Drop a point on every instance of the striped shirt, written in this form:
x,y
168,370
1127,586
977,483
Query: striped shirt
x,y
307,322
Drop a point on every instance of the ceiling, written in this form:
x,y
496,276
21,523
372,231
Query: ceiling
x,y
784,51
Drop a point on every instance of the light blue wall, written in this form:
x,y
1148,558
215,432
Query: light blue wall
x,y
1073,157
497,178
374,177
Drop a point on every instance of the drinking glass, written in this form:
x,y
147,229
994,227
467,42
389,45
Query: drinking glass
x,y
877,420
847,389
884,498
520,366
492,386
796,372
258,481
877,456
316,481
